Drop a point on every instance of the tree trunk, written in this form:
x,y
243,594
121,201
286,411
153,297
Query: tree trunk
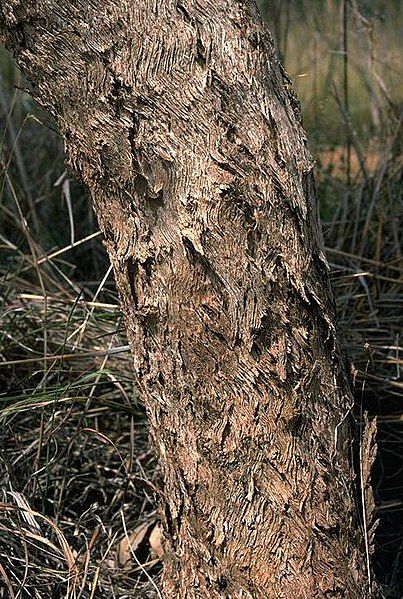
x,y
183,125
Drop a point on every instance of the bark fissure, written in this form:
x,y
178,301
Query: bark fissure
x,y
183,125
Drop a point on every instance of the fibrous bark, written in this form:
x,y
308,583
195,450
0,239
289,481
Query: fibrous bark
x,y
182,124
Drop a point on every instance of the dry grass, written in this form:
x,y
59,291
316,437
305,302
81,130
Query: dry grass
x,y
78,479
364,247
76,471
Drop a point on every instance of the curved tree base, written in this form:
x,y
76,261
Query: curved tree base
x,y
181,122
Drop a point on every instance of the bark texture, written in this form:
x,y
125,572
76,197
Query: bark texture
x,y
182,123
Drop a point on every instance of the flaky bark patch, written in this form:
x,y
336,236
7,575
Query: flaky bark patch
x,y
181,122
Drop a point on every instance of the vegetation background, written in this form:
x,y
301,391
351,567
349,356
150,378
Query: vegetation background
x,y
78,479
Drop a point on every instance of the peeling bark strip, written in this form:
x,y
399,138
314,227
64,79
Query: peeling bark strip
x,y
181,122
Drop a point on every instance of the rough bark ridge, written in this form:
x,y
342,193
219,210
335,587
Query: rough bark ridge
x,y
181,122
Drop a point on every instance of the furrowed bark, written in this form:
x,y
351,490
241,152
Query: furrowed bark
x,y
182,124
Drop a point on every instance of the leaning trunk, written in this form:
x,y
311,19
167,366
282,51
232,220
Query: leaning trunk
x,y
182,124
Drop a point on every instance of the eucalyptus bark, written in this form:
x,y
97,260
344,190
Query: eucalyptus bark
x,y
183,126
